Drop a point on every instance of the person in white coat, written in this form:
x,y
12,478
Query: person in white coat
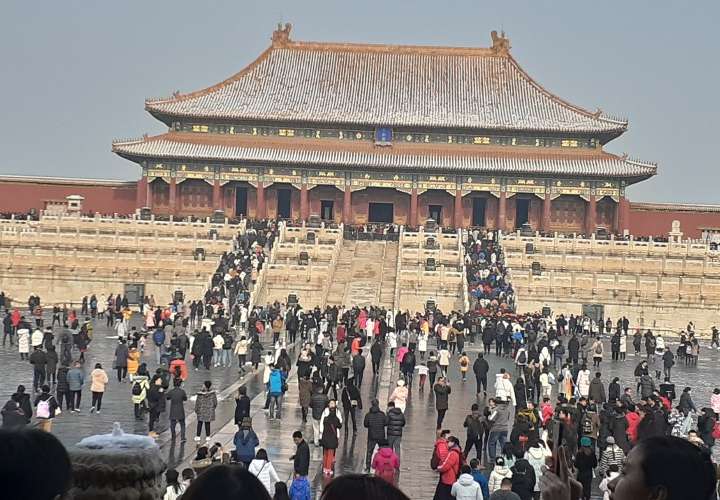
x,y
23,340
583,381
504,388
399,395
465,488
263,469
499,472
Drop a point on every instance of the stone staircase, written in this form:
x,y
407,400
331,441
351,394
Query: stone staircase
x,y
389,276
364,274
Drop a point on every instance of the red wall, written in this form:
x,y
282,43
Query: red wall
x,y
21,196
647,221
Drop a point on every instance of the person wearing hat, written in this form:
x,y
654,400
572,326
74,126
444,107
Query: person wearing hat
x,y
585,462
613,455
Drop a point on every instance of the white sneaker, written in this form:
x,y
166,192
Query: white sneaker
x,y
207,439
196,439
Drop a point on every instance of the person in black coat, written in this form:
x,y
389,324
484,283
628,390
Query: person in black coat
x,y
376,352
573,349
375,422
358,366
177,397
352,402
242,405
13,418
706,424
523,476
23,401
395,424
301,458
520,394
481,368
614,390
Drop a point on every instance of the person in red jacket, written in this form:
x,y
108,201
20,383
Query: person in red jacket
x,y
340,333
449,470
386,463
547,411
633,420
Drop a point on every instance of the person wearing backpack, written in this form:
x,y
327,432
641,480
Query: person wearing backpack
x,y
464,362
449,470
597,350
521,359
523,476
45,408
140,386
159,341
386,463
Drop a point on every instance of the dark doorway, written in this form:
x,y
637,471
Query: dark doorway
x,y
522,209
478,212
435,212
241,201
380,212
283,206
326,209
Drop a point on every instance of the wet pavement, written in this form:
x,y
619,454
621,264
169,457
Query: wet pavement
x,y
416,478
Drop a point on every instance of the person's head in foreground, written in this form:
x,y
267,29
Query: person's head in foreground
x,y
665,468
30,452
361,487
226,482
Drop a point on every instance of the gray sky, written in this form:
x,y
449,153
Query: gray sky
x,y
76,73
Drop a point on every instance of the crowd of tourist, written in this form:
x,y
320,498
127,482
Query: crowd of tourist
x,y
552,425
487,278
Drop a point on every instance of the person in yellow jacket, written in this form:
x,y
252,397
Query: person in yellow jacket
x,y
133,361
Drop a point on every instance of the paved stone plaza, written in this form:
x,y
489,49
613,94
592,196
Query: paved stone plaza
x,y
416,477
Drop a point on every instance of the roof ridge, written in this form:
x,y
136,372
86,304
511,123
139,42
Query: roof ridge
x,y
597,114
177,96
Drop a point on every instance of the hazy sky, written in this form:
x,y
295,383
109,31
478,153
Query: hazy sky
x,y
75,73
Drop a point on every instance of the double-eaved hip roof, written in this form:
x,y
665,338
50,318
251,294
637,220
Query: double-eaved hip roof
x,y
397,86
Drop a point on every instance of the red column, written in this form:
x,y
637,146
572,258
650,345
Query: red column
x,y
414,207
591,216
459,222
216,202
141,193
173,195
347,206
260,210
623,209
547,210
304,204
149,195
502,211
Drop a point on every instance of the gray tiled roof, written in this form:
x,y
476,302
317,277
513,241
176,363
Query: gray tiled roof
x,y
602,165
387,85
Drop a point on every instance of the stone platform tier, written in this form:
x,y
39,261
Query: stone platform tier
x,y
302,263
418,282
63,258
656,285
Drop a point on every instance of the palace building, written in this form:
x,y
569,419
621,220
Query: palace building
x,y
377,133
386,133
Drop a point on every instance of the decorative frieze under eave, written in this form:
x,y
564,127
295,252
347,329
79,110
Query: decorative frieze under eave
x,y
405,182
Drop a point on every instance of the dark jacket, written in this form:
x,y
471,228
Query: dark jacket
x,y
245,442
205,404
376,352
474,426
38,359
375,422
318,402
156,399
395,422
52,360
13,417
614,391
442,393
177,397
597,390
121,356
523,479
349,394
301,459
330,425
62,381
242,409
481,367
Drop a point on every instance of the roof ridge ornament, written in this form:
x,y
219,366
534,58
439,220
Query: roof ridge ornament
x,y
281,36
500,43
